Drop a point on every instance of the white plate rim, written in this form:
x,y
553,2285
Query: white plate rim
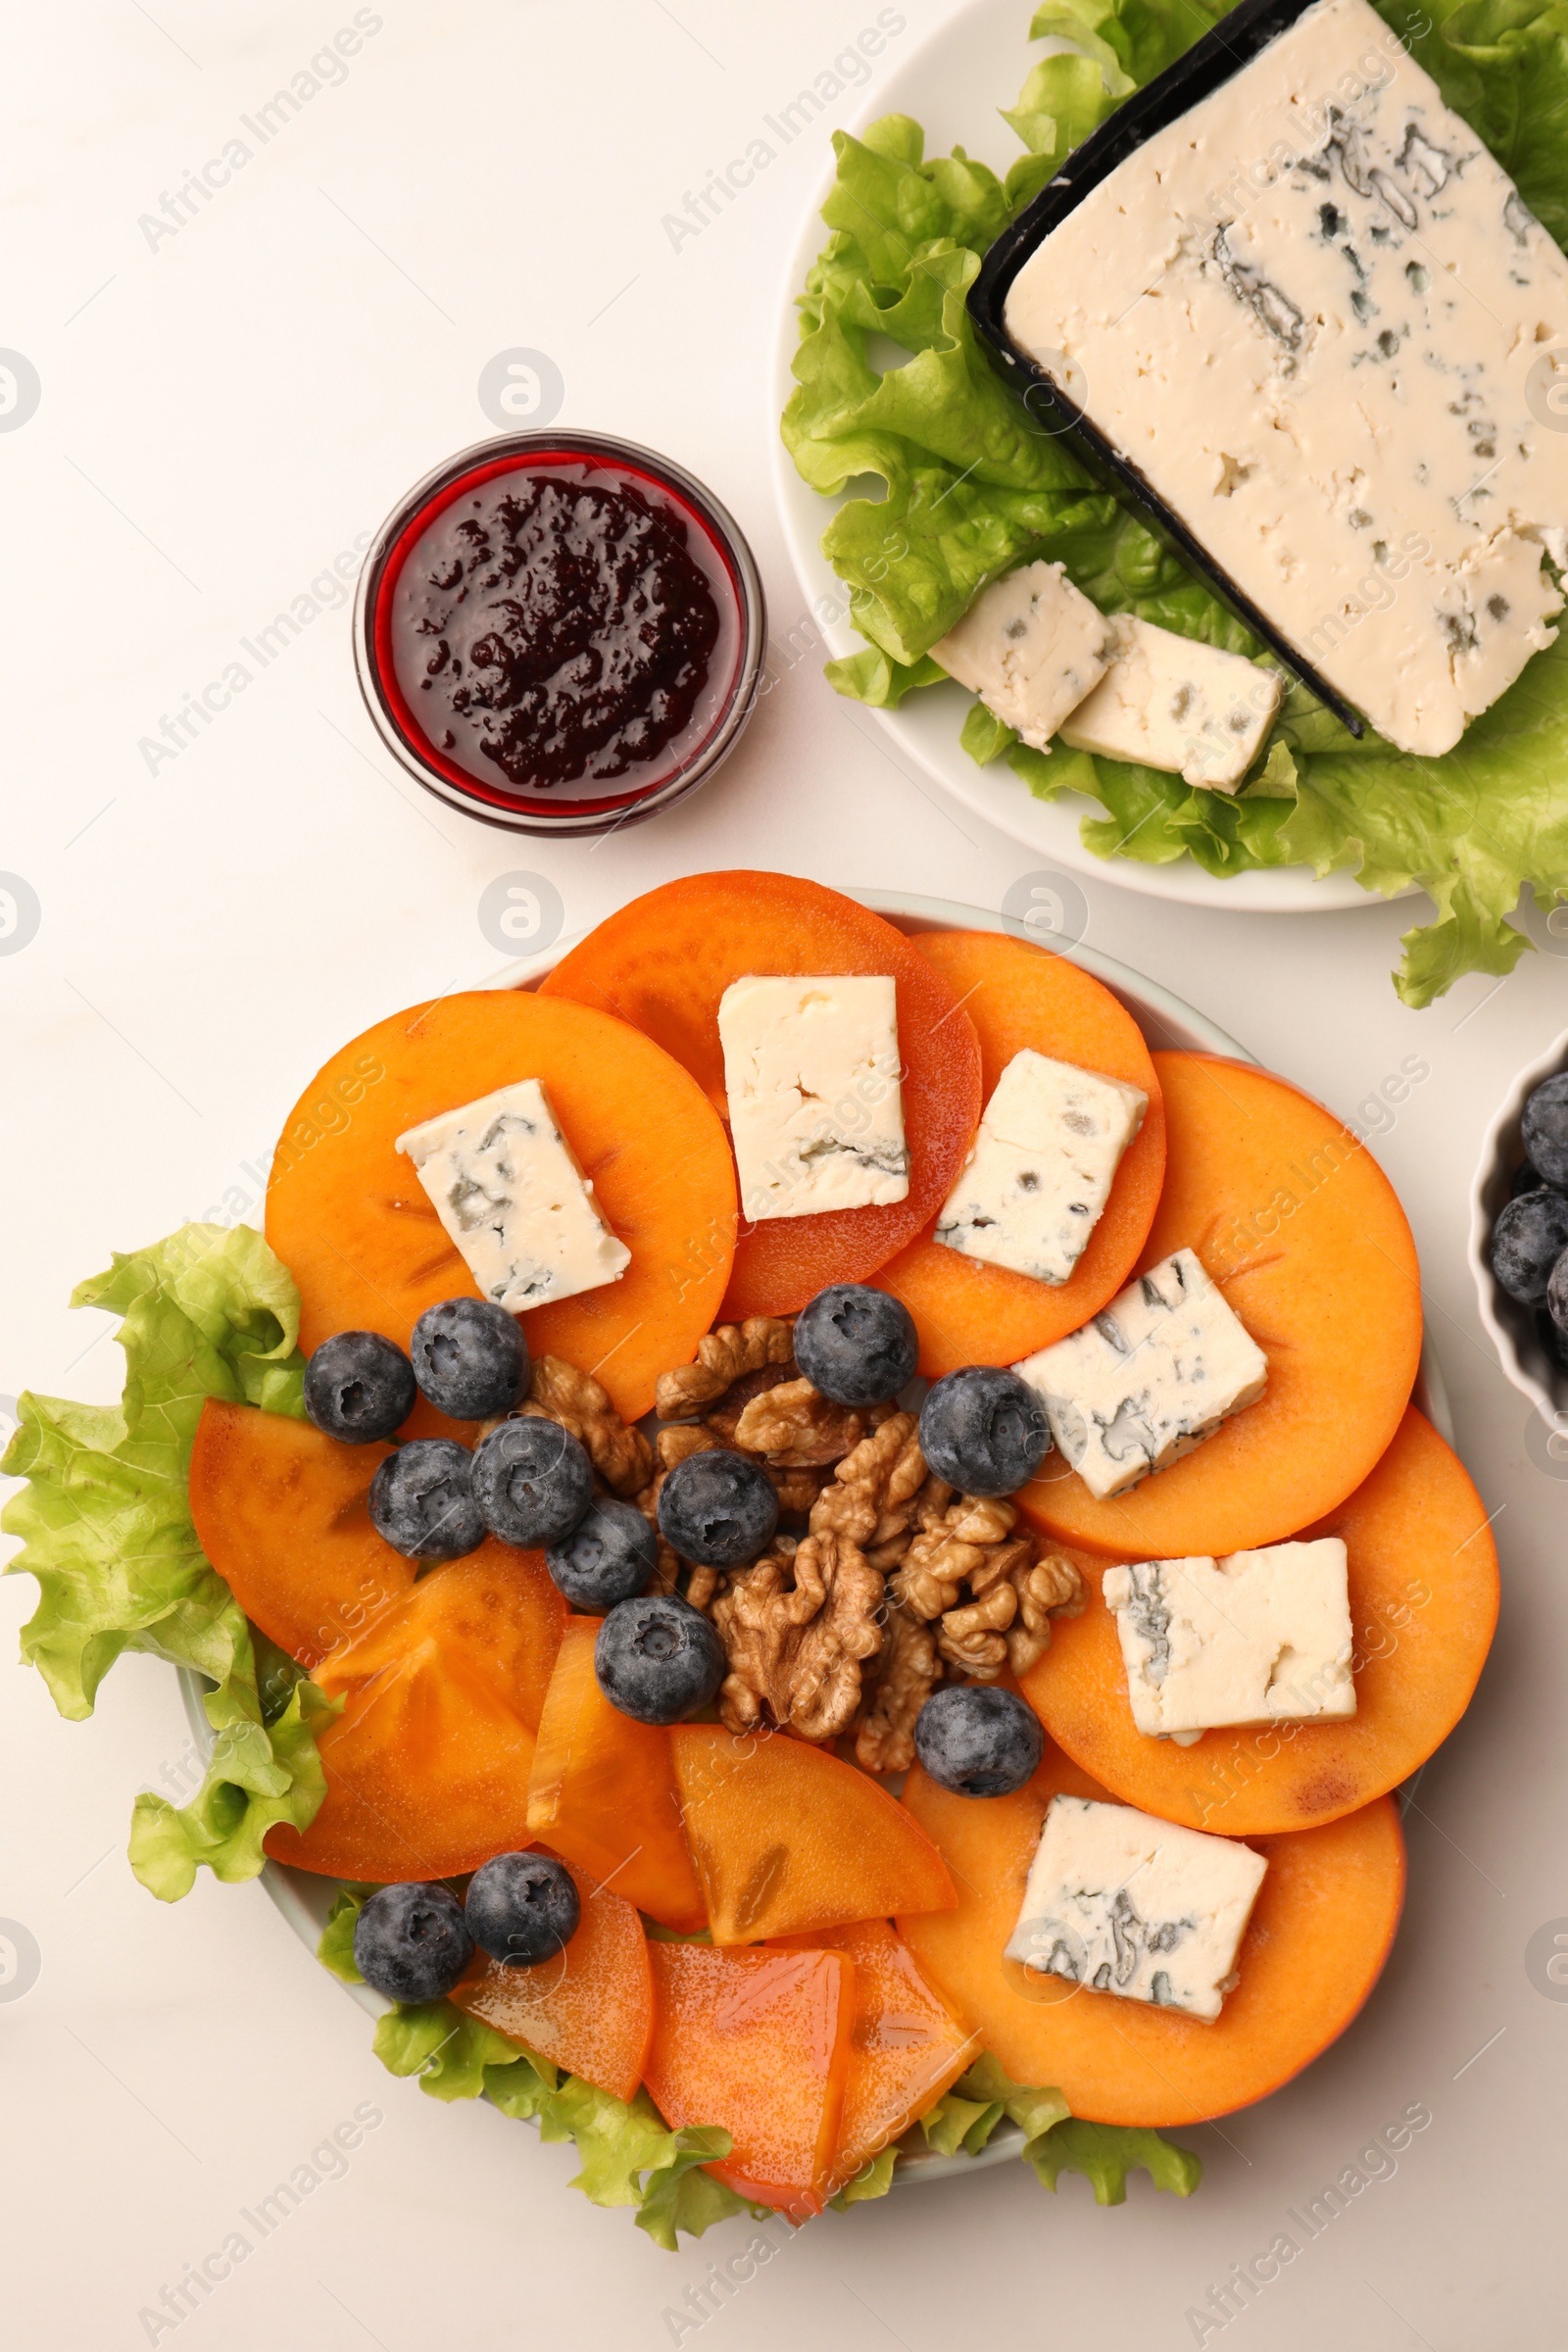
x,y
304,1899
994,794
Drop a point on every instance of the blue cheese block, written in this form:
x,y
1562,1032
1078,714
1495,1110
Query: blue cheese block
x,y
1256,1637
1153,1374
1041,1169
813,1076
505,1185
1317,316
1128,1904
1031,646
1169,702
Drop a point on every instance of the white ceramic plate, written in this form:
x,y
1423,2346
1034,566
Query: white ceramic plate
x,y
1511,1327
1167,1021
953,83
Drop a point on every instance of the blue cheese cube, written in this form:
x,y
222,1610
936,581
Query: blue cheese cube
x,y
1153,1374
1169,702
1131,1905
813,1075
1317,315
1041,1169
1255,1636
1031,646
505,1185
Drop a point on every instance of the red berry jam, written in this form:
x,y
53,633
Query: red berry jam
x,y
562,633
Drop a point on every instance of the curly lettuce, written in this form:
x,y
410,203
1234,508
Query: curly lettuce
x,y
970,488
107,1533
1055,2141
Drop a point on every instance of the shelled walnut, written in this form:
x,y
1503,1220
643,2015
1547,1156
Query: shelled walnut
x,y
795,1428
796,1630
725,1356
1006,1622
873,1493
896,1684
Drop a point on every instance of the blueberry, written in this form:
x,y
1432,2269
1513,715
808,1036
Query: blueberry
x,y
657,1658
523,1908
470,1358
1525,1179
608,1556
422,1500
1558,1297
532,1481
357,1386
977,1740
854,1345
412,1943
1544,1128
1528,1237
1553,1340
984,1431
718,1510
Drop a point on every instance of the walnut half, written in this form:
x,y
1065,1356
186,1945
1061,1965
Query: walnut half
x,y
724,1358
897,1681
795,1632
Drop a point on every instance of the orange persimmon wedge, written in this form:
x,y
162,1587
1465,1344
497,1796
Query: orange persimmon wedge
x,y
602,1793
1019,995
906,2047
1423,1584
282,1513
1319,1935
427,1765
664,963
786,1837
347,1216
1303,1232
591,2009
759,2044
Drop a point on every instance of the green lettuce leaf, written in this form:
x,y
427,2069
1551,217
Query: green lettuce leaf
x,y
970,485
1055,2140
956,2123
873,2179
335,1951
1106,2153
107,1534
680,2195
447,2049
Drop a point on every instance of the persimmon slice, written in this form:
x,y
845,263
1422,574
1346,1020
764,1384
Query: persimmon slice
x,y
786,1837
602,1793
591,2009
427,1766
347,1214
1019,995
1319,1933
1303,1232
664,963
282,1513
1422,1581
906,2048
759,2044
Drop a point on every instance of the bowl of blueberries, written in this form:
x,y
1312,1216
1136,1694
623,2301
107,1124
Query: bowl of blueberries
x,y
1519,1233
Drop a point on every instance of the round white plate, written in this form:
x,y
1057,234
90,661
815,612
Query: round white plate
x,y
305,1899
953,83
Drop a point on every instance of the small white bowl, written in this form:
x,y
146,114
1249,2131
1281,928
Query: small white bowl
x,y
1511,1327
